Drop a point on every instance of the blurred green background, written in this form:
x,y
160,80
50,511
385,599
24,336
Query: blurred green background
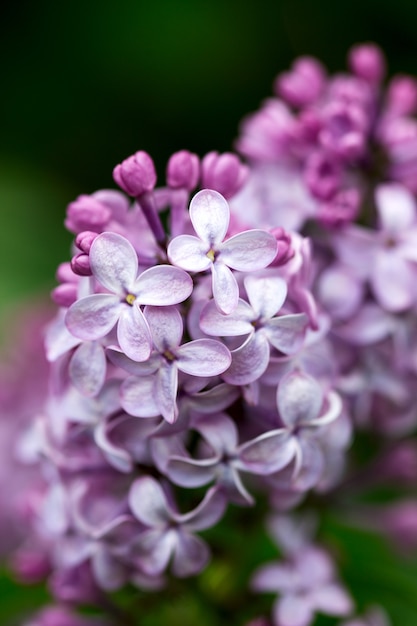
x,y
86,83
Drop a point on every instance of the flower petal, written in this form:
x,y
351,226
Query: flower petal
x,y
206,514
87,368
249,361
165,323
165,390
114,262
133,334
225,288
293,610
94,316
148,502
137,396
266,294
286,333
191,555
203,357
268,453
396,207
210,214
190,473
190,253
249,251
238,322
163,285
299,398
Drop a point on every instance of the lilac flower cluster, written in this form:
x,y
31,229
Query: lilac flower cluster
x,y
221,338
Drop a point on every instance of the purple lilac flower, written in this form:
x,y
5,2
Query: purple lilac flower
x,y
246,251
114,264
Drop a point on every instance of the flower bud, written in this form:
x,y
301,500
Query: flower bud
x,y
367,62
136,174
80,265
343,208
402,95
30,567
87,213
224,173
64,273
303,84
84,240
322,175
183,170
64,295
285,251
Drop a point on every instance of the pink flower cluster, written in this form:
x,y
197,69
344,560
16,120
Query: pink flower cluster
x,y
221,338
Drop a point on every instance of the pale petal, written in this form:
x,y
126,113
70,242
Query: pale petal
x,y
215,399
210,214
219,431
114,262
166,326
94,316
191,472
137,396
331,599
87,368
133,334
143,368
148,502
238,322
293,610
249,251
393,281
268,453
299,398
206,514
225,288
117,456
203,357
190,253
249,361
163,285
166,386
109,573
396,207
191,555
273,577
58,339
333,410
266,294
286,333
153,550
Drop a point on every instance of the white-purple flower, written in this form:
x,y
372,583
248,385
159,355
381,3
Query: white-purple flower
x,y
247,251
114,263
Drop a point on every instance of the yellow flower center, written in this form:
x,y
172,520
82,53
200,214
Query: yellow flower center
x,y
130,298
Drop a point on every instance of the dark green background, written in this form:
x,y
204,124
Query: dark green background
x,y
86,83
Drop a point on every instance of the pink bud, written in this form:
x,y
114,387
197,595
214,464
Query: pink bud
x,y
322,175
80,264
285,251
30,567
84,240
402,95
224,173
303,84
64,273
64,295
343,208
367,62
87,213
136,174
183,170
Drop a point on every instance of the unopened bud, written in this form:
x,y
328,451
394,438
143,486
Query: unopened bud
x,y
183,170
80,265
87,213
367,62
136,174
64,295
224,173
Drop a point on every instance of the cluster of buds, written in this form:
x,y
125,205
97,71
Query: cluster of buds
x,y
220,340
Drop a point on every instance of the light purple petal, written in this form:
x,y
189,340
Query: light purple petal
x,y
148,502
58,339
225,288
94,316
331,599
310,465
215,399
133,334
286,333
163,285
191,555
299,398
166,391
273,577
396,207
137,396
109,573
249,251
219,431
203,357
191,472
249,361
87,368
268,453
189,253
166,326
114,262
206,514
238,322
332,412
136,368
293,610
210,214
117,456
393,281
154,549
266,294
